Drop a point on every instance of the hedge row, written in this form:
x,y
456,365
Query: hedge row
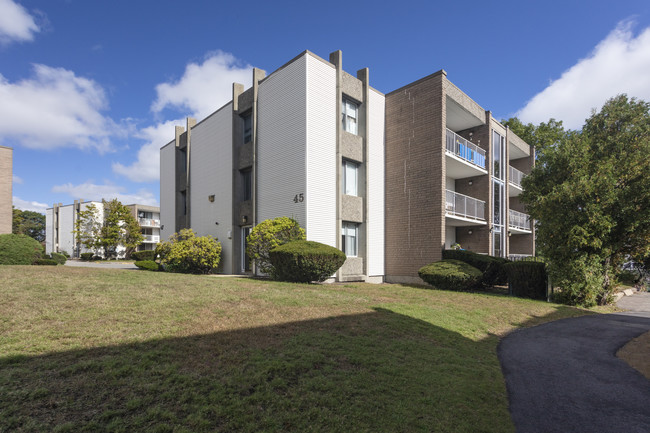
x,y
143,255
450,274
148,265
527,279
305,261
491,267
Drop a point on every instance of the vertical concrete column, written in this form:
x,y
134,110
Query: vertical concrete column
x,y
237,90
190,122
364,76
506,158
258,75
336,58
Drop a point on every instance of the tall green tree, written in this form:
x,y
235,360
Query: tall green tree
x,y
26,222
107,228
590,195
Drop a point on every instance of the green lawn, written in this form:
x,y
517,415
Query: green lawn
x,y
126,350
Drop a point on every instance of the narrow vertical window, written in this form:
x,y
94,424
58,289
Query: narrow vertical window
x,y
349,239
350,177
350,111
247,184
248,127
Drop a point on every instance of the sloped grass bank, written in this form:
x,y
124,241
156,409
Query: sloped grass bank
x,y
118,350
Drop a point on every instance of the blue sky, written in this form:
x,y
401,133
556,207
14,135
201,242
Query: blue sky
x,y
90,90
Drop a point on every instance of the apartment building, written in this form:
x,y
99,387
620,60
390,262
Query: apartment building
x,y
60,220
453,176
306,141
6,187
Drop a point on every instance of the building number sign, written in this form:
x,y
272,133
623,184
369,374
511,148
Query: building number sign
x,y
299,198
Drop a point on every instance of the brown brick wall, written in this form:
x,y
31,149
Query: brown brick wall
x,y
6,185
415,173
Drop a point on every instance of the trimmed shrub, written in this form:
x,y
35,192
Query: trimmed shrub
x,y
59,258
19,250
269,234
144,255
305,261
86,257
490,267
189,254
527,279
148,265
450,274
45,262
65,253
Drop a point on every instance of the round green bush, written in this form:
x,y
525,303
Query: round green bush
x,y
189,254
45,262
305,261
269,234
143,255
491,267
59,258
19,250
450,274
86,256
148,265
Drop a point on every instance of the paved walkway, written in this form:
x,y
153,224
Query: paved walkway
x,y
564,376
103,265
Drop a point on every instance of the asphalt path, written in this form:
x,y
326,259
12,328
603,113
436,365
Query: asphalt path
x,y
564,376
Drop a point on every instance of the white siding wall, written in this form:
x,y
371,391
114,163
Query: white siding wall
x,y
211,174
375,179
49,232
167,191
66,225
281,136
322,118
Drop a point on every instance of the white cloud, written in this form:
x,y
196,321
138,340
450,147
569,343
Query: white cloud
x,y
29,205
619,64
17,180
147,167
205,87
201,90
55,108
16,24
91,191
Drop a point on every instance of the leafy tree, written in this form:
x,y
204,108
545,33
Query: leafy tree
x,y
591,198
269,234
29,223
187,253
106,230
541,136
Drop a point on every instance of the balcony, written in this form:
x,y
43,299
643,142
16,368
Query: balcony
x,y
514,179
518,222
151,239
465,159
148,222
462,210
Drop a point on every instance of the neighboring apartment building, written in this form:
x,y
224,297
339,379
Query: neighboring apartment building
x,y
60,220
453,175
6,186
306,141
391,179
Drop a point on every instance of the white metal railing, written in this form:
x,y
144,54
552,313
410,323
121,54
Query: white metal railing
x,y
518,257
465,149
464,206
149,222
518,220
515,176
151,238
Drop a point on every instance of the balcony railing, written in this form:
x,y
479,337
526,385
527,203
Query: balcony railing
x,y
148,222
465,206
518,220
151,238
516,176
465,149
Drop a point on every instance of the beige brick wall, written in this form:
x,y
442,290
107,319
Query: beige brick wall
x,y
6,181
415,173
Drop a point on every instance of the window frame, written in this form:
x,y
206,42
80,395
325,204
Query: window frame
x,y
345,227
247,132
247,183
352,165
347,114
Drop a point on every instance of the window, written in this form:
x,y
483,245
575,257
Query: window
x,y
248,127
350,110
184,202
350,175
247,183
349,239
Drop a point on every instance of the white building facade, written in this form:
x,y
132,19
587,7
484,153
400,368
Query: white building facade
x,y
60,221
306,142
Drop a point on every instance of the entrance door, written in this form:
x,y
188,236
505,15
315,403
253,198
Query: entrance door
x,y
245,260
